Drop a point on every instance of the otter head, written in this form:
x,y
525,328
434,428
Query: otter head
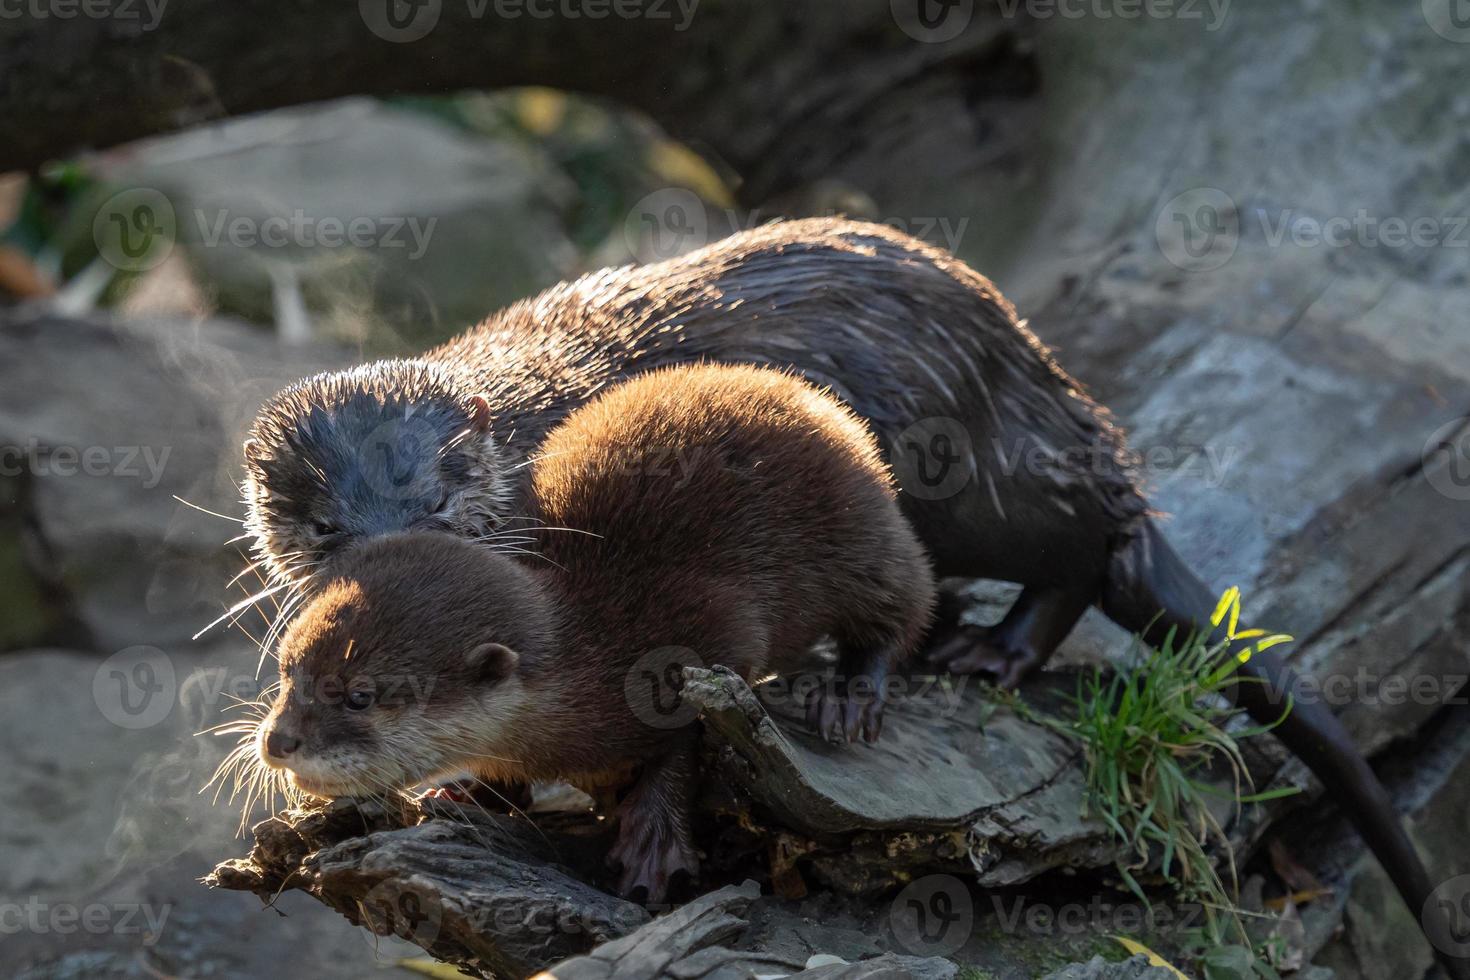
x,y
407,666
385,447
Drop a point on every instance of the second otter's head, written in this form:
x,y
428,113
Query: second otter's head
x,y
385,447
407,666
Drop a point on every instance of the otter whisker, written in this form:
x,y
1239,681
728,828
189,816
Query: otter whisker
x,y
274,633
241,606
573,530
206,510
255,565
232,727
506,549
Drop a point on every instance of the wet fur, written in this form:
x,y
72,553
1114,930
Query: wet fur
x,y
901,331
782,529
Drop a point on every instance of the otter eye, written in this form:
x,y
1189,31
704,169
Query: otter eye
x,y
324,530
359,699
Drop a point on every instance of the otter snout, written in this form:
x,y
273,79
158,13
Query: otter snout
x,y
279,744
276,744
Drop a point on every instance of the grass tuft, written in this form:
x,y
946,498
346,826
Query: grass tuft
x,y
1154,734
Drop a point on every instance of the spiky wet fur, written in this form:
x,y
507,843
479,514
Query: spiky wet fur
x,y
781,529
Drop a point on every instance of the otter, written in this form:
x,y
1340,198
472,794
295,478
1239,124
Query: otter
x,y
920,345
782,528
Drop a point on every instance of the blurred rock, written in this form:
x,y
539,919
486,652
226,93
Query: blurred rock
x,y
1097,968
106,833
106,424
401,228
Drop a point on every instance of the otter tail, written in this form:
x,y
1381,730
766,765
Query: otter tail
x,y
1147,577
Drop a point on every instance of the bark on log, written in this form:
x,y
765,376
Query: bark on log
x,y
478,890
811,73
950,788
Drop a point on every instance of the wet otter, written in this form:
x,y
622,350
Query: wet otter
x,y
781,527
919,344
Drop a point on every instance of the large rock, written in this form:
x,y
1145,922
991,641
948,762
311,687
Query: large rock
x,y
108,424
398,227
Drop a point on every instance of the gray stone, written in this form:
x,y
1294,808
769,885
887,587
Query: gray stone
x,y
1097,968
431,205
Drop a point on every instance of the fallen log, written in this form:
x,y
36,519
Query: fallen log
x,y
958,785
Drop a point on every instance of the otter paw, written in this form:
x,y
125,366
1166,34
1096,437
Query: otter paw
x,y
842,712
454,793
491,797
650,860
977,650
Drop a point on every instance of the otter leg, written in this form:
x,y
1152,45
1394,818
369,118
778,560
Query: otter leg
x,y
1022,641
849,705
653,830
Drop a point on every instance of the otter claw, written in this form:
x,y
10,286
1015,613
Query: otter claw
x,y
650,864
839,718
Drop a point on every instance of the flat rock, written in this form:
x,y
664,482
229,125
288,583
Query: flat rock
x,y
1002,799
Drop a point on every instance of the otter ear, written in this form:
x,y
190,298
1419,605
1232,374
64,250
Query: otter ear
x,y
480,412
492,661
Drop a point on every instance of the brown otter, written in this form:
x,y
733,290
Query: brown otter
x,y
781,527
919,344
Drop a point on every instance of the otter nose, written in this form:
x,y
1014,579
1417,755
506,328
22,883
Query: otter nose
x,y
279,745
